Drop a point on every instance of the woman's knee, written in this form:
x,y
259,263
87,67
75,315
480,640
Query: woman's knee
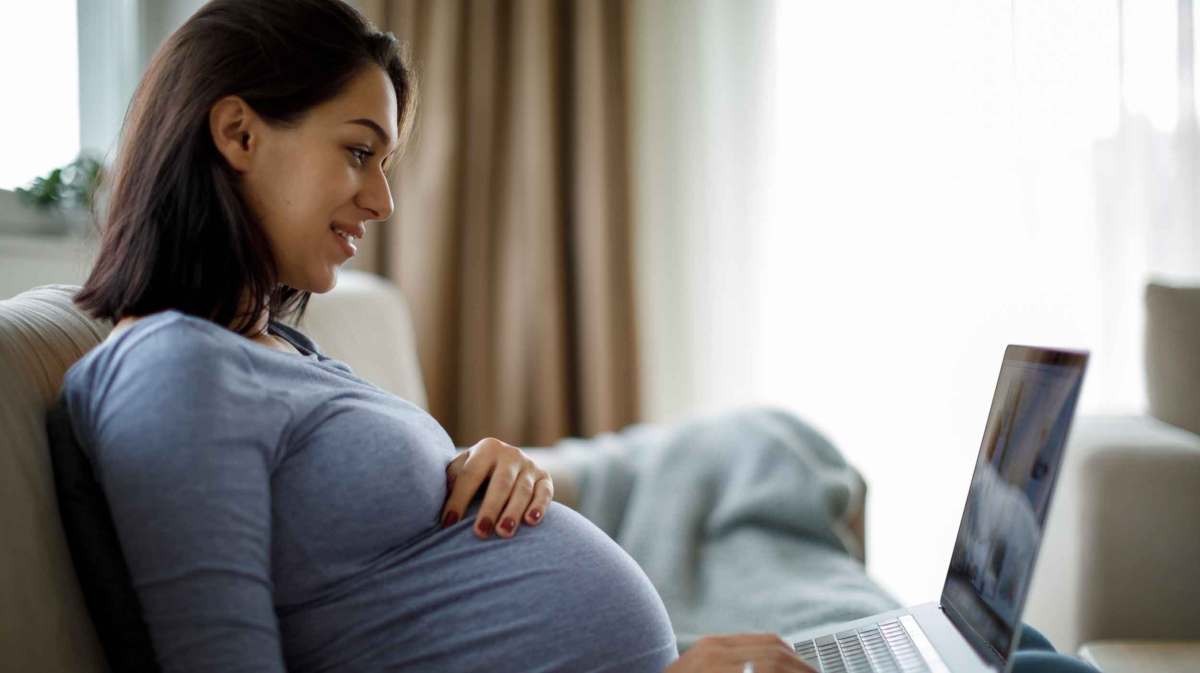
x,y
1032,639
1040,661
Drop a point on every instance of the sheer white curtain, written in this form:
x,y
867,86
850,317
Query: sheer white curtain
x,y
952,177
929,181
701,84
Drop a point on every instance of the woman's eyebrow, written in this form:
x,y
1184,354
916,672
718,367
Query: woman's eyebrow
x,y
383,136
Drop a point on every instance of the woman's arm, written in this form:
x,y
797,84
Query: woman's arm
x,y
182,441
756,652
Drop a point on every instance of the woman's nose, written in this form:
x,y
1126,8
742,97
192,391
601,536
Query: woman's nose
x,y
376,196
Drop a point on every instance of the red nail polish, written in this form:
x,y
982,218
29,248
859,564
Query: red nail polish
x,y
450,520
535,516
485,526
508,525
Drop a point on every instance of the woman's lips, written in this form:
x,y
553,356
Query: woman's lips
x,y
345,242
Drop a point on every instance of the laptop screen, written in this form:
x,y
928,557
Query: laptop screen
x,y
1014,477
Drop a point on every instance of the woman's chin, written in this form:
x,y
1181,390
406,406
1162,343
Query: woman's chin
x,y
327,285
320,283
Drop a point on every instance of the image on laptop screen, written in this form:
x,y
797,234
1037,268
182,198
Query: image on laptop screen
x,y
1001,527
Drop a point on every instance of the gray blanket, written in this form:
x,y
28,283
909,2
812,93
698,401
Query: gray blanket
x,y
740,520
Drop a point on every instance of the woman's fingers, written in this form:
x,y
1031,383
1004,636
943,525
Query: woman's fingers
x,y
464,481
500,486
543,494
518,502
775,657
517,489
455,467
772,651
720,654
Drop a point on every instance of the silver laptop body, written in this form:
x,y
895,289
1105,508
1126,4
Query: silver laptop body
x,y
975,625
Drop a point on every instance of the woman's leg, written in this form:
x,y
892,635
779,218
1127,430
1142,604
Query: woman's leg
x,y
1040,661
1035,654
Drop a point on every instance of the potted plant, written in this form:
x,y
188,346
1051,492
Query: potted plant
x,y
68,191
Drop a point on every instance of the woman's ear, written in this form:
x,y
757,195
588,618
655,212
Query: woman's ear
x,y
232,124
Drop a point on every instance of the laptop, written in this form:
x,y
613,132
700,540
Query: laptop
x,y
975,625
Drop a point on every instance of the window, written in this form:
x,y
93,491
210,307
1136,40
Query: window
x,y
39,66
950,178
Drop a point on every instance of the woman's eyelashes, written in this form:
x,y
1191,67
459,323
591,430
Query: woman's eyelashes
x,y
361,155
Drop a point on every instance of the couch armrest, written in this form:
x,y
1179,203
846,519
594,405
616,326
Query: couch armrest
x,y
1121,555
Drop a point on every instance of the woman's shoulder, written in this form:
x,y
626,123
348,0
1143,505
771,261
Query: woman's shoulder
x,y
165,340
169,368
172,331
164,321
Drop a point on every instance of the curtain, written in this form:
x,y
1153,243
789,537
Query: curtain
x,y
1147,173
950,178
701,77
511,235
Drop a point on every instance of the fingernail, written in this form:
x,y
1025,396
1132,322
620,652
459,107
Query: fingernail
x,y
485,526
450,520
508,525
535,516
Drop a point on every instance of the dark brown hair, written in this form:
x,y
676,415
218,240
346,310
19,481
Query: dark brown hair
x,y
177,233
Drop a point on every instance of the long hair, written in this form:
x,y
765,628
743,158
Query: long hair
x,y
177,232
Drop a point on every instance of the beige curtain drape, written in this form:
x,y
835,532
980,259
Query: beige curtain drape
x,y
511,234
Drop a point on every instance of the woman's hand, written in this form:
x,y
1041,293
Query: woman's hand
x,y
518,490
757,652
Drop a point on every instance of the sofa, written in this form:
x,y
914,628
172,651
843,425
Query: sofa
x,y
1118,567
44,624
1118,577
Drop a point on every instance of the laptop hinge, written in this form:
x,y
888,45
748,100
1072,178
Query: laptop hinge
x,y
978,643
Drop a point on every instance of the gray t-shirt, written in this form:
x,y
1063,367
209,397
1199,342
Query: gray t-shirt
x,y
276,510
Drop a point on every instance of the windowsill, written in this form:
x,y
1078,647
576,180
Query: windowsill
x,y
42,247
18,219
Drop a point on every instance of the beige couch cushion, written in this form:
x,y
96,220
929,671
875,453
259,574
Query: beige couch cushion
x,y
1173,354
43,621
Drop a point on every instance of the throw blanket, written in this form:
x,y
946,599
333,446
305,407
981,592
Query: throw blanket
x,y
739,520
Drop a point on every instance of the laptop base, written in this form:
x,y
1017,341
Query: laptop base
x,y
953,651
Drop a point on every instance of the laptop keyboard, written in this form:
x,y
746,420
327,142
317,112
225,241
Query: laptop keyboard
x,y
886,647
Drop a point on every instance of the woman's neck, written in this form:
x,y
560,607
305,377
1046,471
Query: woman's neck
x,y
261,321
259,328
257,332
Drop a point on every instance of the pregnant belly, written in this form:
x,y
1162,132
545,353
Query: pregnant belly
x,y
560,596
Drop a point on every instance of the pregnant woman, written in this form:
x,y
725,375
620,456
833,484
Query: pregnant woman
x,y
276,512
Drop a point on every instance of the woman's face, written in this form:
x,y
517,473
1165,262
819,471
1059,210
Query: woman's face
x,y
323,176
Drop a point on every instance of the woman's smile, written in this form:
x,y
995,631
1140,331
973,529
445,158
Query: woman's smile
x,y
345,239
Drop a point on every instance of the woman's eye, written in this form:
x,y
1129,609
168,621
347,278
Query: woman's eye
x,y
360,155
